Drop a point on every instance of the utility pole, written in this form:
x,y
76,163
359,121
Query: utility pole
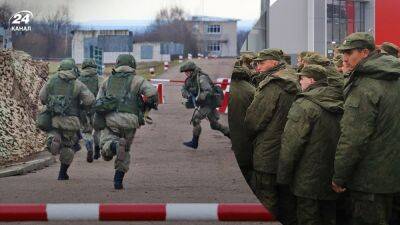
x,y
265,5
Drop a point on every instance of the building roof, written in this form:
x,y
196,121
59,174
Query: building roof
x,y
91,29
210,19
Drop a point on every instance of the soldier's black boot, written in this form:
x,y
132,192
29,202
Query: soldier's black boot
x,y
63,172
118,178
194,143
96,152
89,148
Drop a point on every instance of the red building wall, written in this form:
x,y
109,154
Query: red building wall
x,y
387,21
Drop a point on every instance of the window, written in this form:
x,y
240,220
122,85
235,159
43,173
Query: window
x,y
214,29
146,52
214,47
344,17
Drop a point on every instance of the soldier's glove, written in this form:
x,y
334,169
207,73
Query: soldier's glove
x,y
185,94
152,102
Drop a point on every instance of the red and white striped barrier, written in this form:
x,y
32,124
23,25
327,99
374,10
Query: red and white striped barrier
x,y
225,86
161,99
134,212
224,83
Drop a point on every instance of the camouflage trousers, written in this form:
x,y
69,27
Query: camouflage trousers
x,y
68,140
88,133
371,209
108,137
316,212
212,115
278,199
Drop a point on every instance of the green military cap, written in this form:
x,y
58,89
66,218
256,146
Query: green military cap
x,y
188,66
270,54
67,64
316,72
390,49
126,60
338,60
317,59
358,40
89,63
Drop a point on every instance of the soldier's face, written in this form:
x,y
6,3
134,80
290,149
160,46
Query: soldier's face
x,y
266,65
352,57
305,82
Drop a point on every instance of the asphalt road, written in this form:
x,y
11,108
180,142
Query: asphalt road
x,y
162,169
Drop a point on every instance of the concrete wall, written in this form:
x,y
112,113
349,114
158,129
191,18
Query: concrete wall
x,y
289,25
111,57
78,43
157,56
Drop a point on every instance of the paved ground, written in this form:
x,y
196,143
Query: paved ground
x,y
162,170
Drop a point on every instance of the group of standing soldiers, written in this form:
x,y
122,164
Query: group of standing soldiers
x,y
319,143
109,121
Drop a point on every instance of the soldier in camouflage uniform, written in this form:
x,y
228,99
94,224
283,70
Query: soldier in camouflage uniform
x,y
308,147
241,96
338,62
198,88
261,75
367,156
92,80
122,122
265,119
62,95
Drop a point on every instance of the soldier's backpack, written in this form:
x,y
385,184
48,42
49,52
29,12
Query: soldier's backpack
x,y
217,95
60,101
92,82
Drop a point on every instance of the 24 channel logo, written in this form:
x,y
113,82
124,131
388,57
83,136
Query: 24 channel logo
x,y
20,21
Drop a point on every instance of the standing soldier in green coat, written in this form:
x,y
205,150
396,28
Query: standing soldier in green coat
x,y
200,91
63,96
390,48
308,147
241,96
92,80
265,119
120,102
367,157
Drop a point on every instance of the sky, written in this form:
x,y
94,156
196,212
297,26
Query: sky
x,y
97,10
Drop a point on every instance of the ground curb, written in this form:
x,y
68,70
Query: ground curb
x,y
27,167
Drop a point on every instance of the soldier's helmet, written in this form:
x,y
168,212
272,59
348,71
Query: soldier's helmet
x,y
89,63
67,64
188,66
126,60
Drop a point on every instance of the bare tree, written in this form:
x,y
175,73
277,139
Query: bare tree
x,y
53,35
5,14
170,25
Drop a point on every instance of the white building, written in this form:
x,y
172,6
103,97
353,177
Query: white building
x,y
112,42
216,36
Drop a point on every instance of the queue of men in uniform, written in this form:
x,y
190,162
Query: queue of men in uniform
x,y
319,143
107,122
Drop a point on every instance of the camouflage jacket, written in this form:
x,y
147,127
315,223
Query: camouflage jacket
x,y
267,115
198,85
309,143
139,85
241,96
80,92
368,156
